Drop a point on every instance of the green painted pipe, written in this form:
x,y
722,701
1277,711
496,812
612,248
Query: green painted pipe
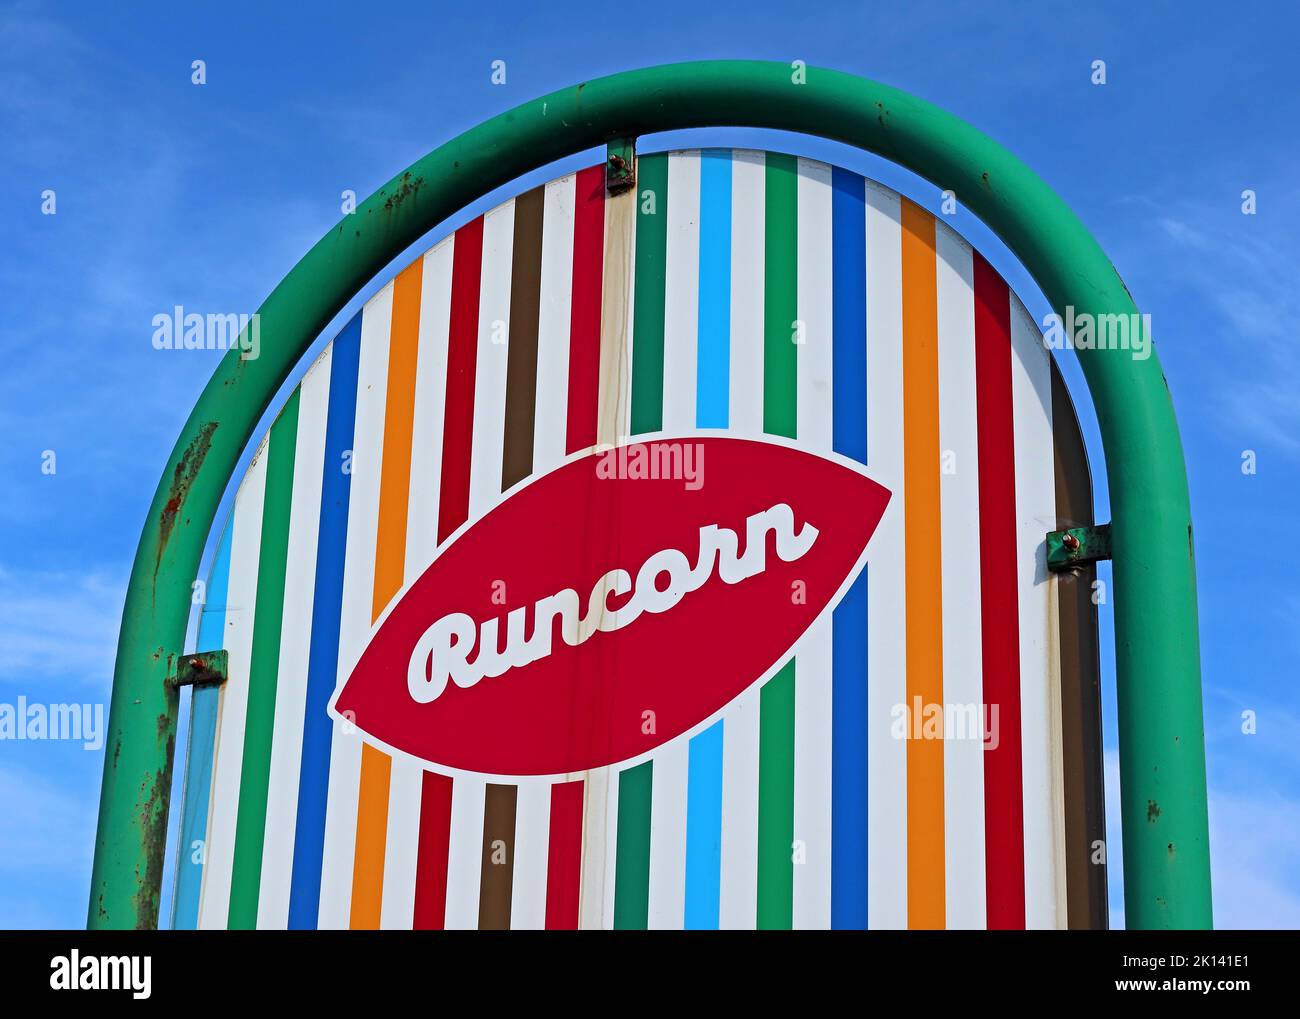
x,y
1162,753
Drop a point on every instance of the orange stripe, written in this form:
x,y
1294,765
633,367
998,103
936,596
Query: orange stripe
x,y
372,835
390,564
921,454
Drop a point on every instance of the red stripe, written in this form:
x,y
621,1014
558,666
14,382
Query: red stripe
x,y
453,508
1004,824
462,352
564,857
584,321
431,855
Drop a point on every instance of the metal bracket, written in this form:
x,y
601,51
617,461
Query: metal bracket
x,y
620,165
203,668
1076,547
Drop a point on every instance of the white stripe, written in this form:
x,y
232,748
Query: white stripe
x,y
814,307
617,296
599,817
748,219
681,291
357,607
401,844
963,682
812,778
813,660
464,854
532,843
738,887
886,568
1031,400
667,891
429,410
490,370
295,635
553,323
406,782
227,767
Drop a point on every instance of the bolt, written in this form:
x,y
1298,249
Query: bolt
x,y
1070,541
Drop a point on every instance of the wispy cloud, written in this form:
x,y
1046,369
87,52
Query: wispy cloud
x,y
1255,859
58,626
46,847
1242,267
46,826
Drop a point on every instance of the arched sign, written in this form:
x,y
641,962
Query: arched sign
x,y
664,558
783,465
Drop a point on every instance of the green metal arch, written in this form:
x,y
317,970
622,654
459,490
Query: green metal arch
x,y
1162,752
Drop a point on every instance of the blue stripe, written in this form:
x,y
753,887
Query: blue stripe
x,y
849,311
713,357
712,410
198,756
322,667
849,626
704,829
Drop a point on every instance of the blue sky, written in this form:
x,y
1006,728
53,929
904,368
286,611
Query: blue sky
x,y
170,193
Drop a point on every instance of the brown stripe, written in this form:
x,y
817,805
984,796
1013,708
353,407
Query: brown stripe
x,y
497,876
498,867
521,357
1085,814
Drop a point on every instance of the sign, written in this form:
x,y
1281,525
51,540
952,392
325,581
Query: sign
x,y
596,410
585,670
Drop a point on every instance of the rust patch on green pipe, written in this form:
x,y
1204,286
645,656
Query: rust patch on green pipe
x,y
409,186
153,840
187,469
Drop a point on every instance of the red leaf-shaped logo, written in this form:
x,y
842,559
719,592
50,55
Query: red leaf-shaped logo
x,y
613,604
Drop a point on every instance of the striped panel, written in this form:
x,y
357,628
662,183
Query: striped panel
x,y
927,756
196,792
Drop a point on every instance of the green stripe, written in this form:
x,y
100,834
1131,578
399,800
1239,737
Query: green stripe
x,y
259,721
648,302
632,862
776,801
780,295
780,409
